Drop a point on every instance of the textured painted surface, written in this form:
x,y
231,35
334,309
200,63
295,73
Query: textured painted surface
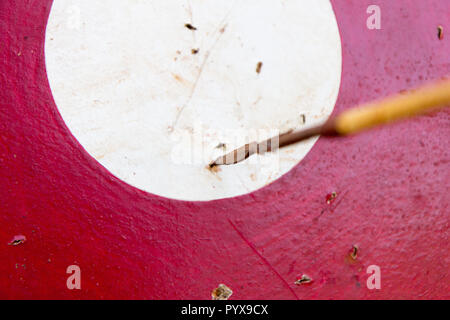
x,y
392,189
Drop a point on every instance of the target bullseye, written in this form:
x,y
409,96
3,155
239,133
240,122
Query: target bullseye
x,y
157,90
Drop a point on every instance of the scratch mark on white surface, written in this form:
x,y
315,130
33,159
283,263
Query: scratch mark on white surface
x,y
221,30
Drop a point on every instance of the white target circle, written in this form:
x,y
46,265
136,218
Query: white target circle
x,y
154,90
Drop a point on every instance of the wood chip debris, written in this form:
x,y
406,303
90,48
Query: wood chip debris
x,y
259,67
190,26
354,252
303,118
213,168
221,146
222,292
19,239
331,197
304,279
440,32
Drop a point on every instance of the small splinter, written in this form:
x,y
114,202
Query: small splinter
x,y
440,32
221,146
213,167
303,117
190,26
259,67
305,279
354,252
19,239
331,197
222,292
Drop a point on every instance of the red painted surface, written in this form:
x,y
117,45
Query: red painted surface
x,y
392,189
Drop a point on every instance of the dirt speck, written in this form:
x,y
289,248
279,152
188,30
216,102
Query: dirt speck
x,y
331,197
353,253
259,67
303,118
19,239
440,32
222,292
190,26
304,279
195,51
213,168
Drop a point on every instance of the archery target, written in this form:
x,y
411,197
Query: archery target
x,y
383,191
